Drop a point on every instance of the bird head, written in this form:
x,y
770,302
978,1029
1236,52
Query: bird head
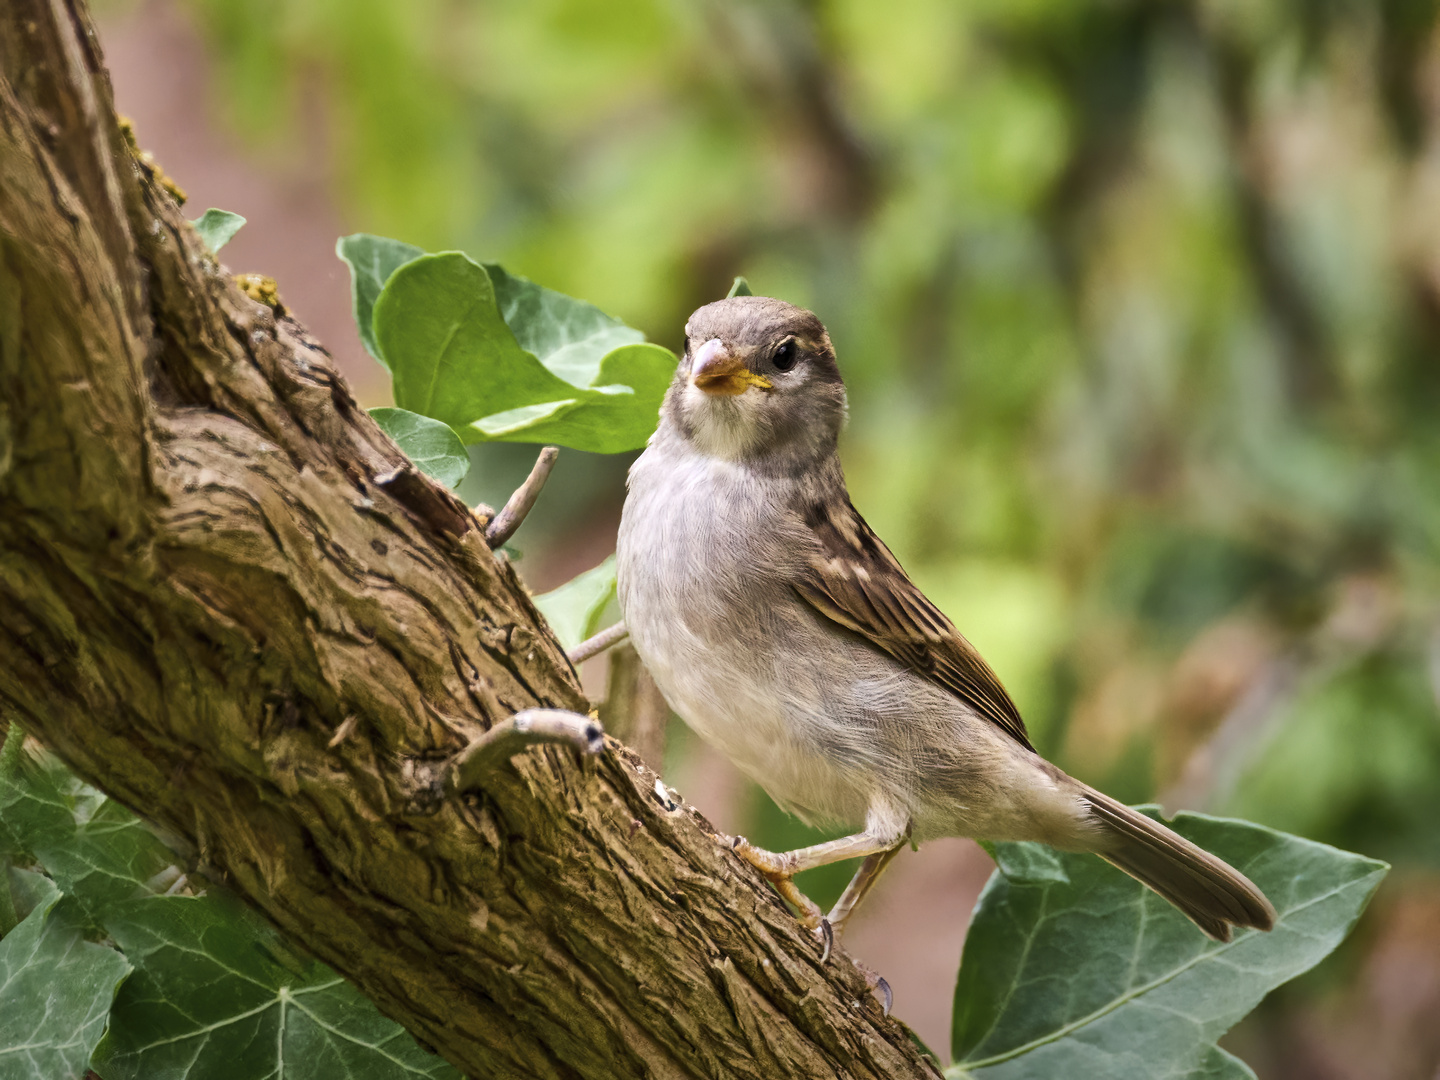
x,y
758,381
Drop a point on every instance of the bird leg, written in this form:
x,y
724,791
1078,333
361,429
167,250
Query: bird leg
x,y
864,879
780,867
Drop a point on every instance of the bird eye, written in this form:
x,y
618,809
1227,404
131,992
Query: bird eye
x,y
785,355
686,351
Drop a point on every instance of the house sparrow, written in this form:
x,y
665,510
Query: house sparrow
x,y
783,631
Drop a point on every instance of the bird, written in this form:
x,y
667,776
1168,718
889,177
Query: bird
x,y
784,632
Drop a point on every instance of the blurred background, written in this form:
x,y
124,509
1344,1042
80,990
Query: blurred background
x,y
1139,307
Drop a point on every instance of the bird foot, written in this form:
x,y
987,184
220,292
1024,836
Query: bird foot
x,y
773,865
777,869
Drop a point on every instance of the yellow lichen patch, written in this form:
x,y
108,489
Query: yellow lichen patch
x,y
148,163
127,129
262,288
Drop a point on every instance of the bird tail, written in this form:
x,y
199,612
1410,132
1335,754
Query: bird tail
x,y
1212,894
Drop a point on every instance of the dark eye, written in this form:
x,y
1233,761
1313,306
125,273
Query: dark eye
x,y
686,351
785,355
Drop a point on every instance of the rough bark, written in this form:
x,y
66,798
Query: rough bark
x,y
208,565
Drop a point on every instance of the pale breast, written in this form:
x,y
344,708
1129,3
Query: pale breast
x,y
701,558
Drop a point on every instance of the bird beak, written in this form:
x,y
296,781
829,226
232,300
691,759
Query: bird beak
x,y
716,370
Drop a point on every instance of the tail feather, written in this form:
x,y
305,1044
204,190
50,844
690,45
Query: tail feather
x,y
1212,894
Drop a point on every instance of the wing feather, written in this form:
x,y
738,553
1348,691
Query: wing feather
x,y
855,581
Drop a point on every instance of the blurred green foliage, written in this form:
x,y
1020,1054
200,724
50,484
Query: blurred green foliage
x,y
1139,305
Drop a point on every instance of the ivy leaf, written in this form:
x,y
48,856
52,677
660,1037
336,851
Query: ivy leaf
x,y
499,358
55,989
619,416
434,448
741,287
574,609
1073,969
567,335
214,994
372,259
93,847
200,962
452,356
217,227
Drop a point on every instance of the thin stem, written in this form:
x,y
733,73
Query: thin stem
x,y
611,635
504,524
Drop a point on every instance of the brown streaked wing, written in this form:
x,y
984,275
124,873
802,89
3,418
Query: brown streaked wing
x,y
859,584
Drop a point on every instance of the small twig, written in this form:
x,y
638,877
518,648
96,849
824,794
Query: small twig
x,y
611,635
504,524
469,768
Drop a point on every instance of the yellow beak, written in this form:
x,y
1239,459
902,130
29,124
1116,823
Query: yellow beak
x,y
716,370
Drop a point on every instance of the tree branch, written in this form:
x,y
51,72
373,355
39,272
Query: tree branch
x,y
228,600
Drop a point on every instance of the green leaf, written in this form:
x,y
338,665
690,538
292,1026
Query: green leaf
x,y
214,994
1028,862
451,354
434,448
619,416
567,335
574,609
741,287
11,754
499,427
217,227
372,259
200,962
55,990
93,847
499,358
1073,969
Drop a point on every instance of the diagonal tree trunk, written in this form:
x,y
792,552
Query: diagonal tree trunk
x,y
209,564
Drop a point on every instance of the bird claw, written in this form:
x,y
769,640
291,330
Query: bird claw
x,y
827,936
876,982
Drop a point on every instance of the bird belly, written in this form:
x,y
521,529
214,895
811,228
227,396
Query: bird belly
x,y
774,729
715,628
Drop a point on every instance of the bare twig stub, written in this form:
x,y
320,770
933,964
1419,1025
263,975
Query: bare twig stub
x,y
611,635
472,766
504,524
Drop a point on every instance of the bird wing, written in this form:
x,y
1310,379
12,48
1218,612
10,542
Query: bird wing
x,y
854,580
